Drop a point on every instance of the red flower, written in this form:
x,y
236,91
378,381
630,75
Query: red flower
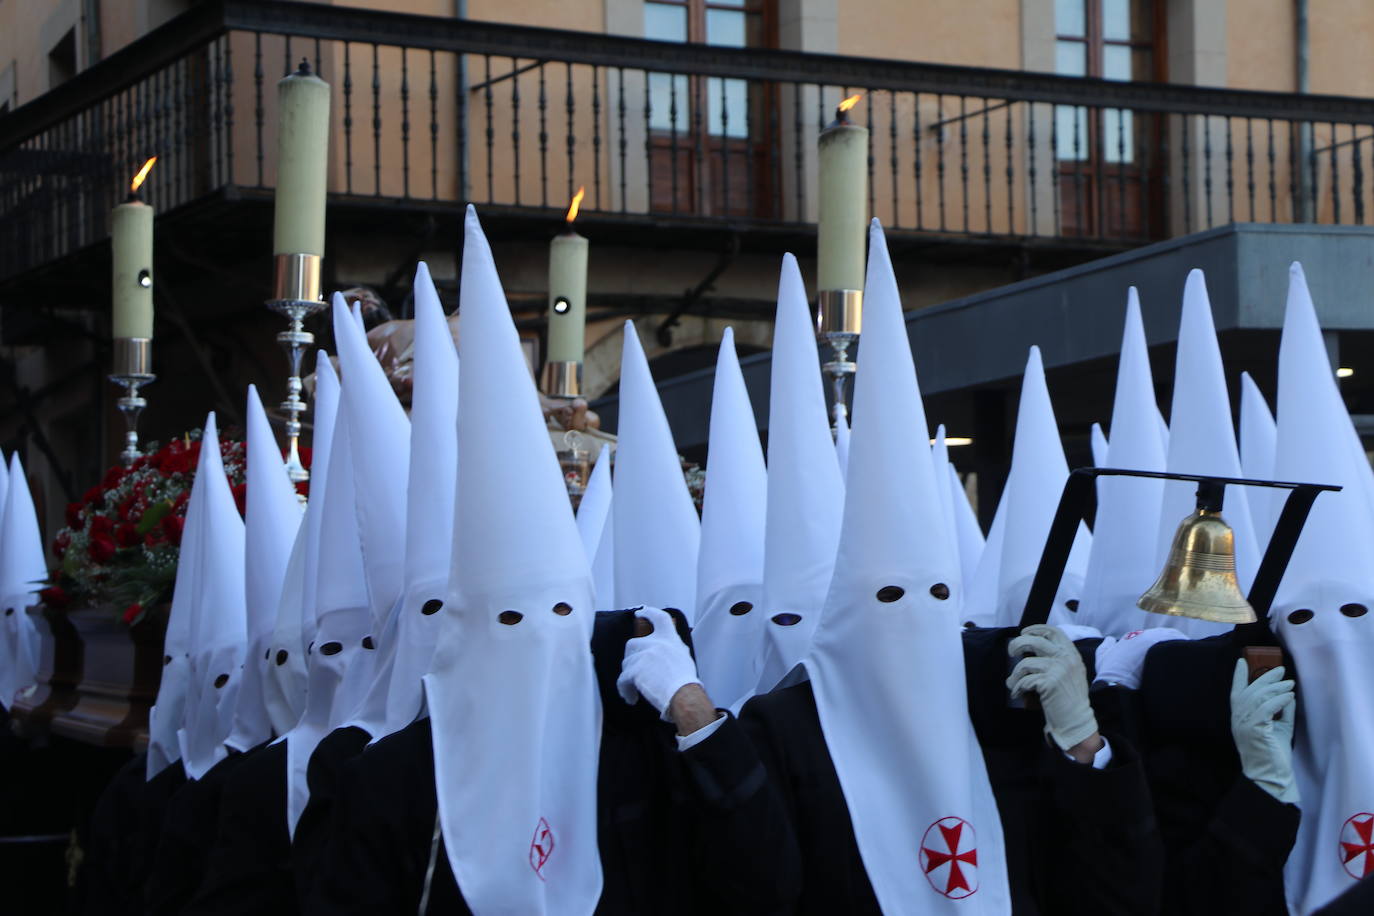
x,y
303,488
133,612
126,535
54,596
112,477
306,456
101,524
95,496
179,504
102,548
241,498
73,515
60,543
172,526
153,538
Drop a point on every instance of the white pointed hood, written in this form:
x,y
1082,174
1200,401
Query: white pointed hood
x,y
342,619
22,572
913,775
980,592
271,521
294,630
594,525
1121,565
219,620
170,709
1035,483
1258,442
1321,615
430,504
1202,440
805,489
1099,446
939,459
658,533
729,632
512,694
966,528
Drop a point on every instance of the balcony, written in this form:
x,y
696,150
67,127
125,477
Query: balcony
x,y
689,141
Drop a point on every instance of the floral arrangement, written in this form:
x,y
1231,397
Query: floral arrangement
x,y
121,541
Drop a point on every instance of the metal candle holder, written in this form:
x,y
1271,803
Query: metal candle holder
x,y
131,367
839,319
296,297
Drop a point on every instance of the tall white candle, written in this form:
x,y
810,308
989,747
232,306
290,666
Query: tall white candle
x,y
131,255
302,163
843,213
568,292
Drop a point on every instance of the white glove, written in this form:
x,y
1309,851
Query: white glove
x,y
1262,725
656,666
1053,670
1120,661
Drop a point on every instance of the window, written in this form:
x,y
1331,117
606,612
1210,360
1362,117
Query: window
x,y
1104,151
62,59
705,129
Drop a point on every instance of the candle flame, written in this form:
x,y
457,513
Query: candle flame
x,y
576,204
141,176
849,103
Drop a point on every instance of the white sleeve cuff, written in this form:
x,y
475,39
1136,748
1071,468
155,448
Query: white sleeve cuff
x,y
687,742
1100,759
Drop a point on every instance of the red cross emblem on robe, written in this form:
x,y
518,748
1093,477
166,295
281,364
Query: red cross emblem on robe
x,y
541,847
949,857
1357,845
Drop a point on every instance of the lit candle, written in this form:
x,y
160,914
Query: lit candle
x,y
131,250
302,163
843,162
568,291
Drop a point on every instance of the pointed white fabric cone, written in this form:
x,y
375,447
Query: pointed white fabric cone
x,y
593,523
272,518
658,533
939,459
1035,483
980,595
729,632
1258,441
966,528
1099,446
294,630
515,707
887,644
842,444
1202,440
805,489
1121,565
430,503
219,622
1321,616
381,458
342,618
170,710
22,572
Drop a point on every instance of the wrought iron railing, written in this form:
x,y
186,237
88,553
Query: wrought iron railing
x,y
433,112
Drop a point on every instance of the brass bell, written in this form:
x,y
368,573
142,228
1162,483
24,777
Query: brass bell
x,y
1199,578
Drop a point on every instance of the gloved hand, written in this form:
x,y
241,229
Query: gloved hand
x,y
1053,670
1262,725
656,666
1121,661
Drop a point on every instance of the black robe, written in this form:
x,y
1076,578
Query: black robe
x,y
112,869
187,837
383,839
1226,839
250,862
1078,840
323,775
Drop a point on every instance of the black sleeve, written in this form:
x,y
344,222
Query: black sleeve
x,y
178,864
1236,864
747,851
1106,855
368,866
324,776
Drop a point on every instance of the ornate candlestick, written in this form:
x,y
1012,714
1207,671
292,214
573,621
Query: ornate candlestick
x,y
296,298
132,368
839,319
